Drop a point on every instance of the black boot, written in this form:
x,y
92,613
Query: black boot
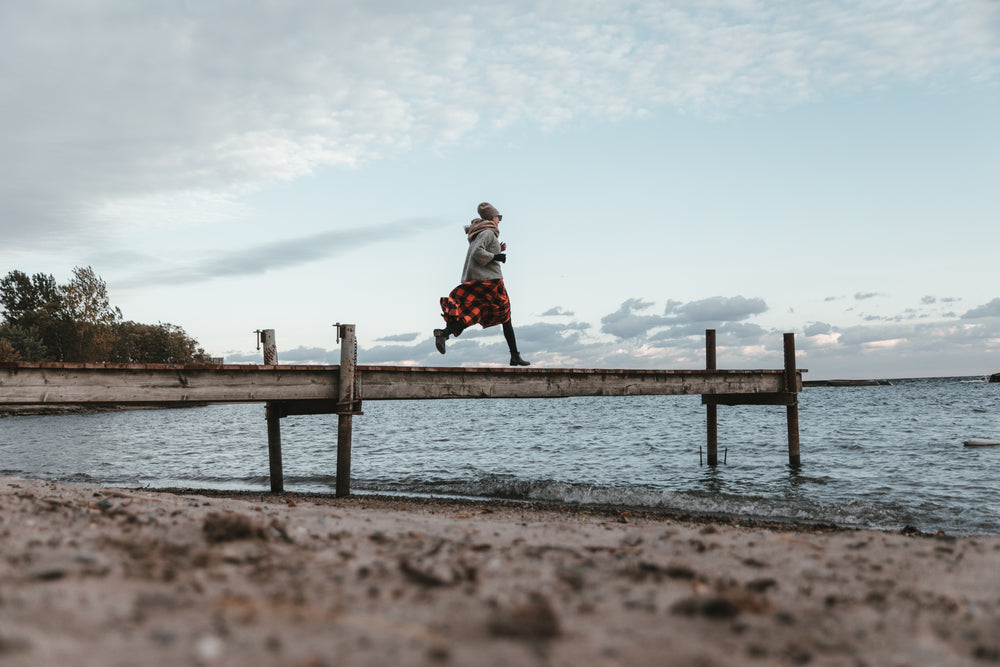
x,y
516,360
440,336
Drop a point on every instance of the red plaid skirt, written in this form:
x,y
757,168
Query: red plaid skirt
x,y
483,302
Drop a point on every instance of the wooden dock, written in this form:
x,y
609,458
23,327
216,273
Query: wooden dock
x,y
341,389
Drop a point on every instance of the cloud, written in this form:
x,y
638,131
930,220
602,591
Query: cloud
x,y
399,338
683,323
933,338
423,354
241,357
717,309
863,296
171,113
863,351
928,300
743,332
278,254
817,328
624,323
683,335
557,311
991,309
544,333
676,333
303,355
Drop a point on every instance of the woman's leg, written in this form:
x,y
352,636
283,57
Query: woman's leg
x,y
508,333
453,328
515,357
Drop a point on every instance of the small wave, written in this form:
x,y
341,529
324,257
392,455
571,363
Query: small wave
x,y
855,513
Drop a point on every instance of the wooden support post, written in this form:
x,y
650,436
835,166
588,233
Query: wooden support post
x,y
270,348
345,397
274,447
791,387
711,409
273,417
344,426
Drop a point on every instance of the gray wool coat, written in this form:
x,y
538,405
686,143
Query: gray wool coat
x,y
479,262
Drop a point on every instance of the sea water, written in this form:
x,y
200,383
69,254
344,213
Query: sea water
x,y
876,457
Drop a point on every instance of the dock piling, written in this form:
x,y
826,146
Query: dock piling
x,y
345,399
273,416
711,410
270,348
792,409
274,447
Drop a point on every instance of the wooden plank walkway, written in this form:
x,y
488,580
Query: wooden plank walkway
x,y
341,389
59,383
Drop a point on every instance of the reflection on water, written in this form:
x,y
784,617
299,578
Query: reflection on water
x,y
872,456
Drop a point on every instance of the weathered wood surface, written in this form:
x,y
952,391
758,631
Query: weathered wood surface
x,y
385,382
162,383
45,383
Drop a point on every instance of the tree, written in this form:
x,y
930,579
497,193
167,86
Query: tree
x,y
87,305
86,298
161,343
34,307
7,351
21,343
44,321
21,295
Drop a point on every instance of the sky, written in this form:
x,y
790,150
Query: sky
x,y
828,169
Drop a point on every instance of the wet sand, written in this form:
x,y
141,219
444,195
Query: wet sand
x,y
98,576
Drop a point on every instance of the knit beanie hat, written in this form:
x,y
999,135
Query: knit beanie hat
x,y
487,211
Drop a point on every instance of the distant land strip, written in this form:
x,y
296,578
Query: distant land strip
x,y
845,383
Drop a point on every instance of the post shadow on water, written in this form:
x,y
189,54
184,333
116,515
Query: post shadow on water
x,y
796,476
714,480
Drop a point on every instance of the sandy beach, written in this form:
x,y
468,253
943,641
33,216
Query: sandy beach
x,y
98,576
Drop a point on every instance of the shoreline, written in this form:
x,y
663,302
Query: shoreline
x,y
390,501
94,575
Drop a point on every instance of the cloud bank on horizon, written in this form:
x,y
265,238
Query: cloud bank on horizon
x,y
118,121
643,339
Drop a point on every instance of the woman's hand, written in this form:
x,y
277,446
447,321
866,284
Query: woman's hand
x,y
503,246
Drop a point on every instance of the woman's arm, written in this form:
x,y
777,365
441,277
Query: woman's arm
x,y
485,247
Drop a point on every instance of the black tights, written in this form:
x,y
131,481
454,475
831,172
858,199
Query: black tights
x,y
455,328
508,333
